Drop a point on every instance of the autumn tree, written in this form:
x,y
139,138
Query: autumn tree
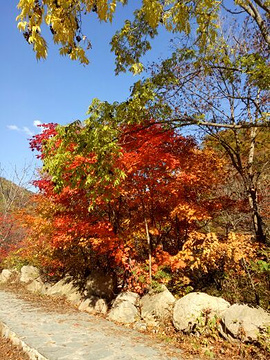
x,y
212,93
153,221
236,216
115,213
238,66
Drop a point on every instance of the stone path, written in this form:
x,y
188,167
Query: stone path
x,y
74,336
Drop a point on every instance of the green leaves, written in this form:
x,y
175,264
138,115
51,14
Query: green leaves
x,y
199,20
131,43
263,266
257,68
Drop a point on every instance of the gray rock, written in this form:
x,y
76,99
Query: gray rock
x,y
140,326
101,285
101,307
29,273
74,297
94,305
5,276
125,308
124,312
189,309
157,307
245,323
47,286
65,287
132,297
36,286
87,305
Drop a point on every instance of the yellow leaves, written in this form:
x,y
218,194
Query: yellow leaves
x,y
183,259
136,68
177,18
76,53
48,19
22,25
83,242
102,9
39,46
207,252
26,6
61,17
153,11
239,246
113,6
89,5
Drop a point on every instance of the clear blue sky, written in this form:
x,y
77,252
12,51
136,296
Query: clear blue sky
x,y
55,90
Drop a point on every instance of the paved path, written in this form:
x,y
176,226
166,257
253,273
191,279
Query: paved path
x,y
74,336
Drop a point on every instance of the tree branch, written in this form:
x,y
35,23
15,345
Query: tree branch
x,y
192,121
252,10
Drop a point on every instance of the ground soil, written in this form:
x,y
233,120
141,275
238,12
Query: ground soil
x,y
10,352
208,346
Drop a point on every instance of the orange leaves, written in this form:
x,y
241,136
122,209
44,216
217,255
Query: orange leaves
x,y
190,212
206,252
87,221
77,161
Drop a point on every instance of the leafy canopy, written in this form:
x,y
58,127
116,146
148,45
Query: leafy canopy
x,y
64,19
88,216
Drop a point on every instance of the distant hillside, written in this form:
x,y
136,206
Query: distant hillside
x,y
12,196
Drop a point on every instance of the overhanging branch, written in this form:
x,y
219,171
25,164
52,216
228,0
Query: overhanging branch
x,y
191,121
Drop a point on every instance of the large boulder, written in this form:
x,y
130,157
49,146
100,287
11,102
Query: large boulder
x,y
74,297
157,307
124,312
129,296
125,308
37,286
94,305
245,323
29,273
65,287
191,308
5,276
101,285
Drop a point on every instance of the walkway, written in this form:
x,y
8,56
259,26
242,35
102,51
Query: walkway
x,y
74,336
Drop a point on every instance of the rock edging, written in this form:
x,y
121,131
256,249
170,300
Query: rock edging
x,y
234,322
17,341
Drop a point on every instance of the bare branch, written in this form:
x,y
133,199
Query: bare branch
x,y
253,11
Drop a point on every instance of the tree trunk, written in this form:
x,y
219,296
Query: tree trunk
x,y
257,219
149,250
252,190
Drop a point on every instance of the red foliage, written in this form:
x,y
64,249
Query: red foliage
x,y
167,184
11,235
38,141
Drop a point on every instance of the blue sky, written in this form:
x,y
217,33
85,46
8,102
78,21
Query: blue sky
x,y
55,90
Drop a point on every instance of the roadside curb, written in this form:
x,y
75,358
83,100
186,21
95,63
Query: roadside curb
x,y
16,340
